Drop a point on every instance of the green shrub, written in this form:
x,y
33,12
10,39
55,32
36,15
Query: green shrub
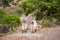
x,y
28,7
57,16
38,15
6,18
45,8
11,17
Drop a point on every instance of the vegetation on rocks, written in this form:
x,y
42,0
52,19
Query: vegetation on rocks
x,y
46,8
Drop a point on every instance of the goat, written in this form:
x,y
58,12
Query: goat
x,y
33,25
24,26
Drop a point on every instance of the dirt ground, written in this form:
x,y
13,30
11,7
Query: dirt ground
x,y
44,34
51,33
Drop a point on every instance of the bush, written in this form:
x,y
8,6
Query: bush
x,y
45,7
6,18
28,7
38,15
56,16
11,17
